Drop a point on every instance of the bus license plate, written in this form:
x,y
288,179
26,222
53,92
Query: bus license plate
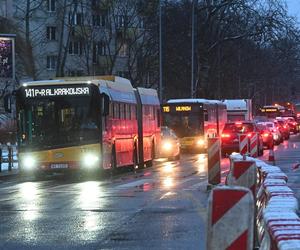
x,y
59,166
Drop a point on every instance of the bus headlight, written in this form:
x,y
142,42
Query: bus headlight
x,y
200,142
90,160
167,146
28,162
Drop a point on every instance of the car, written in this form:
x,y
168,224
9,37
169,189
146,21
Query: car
x,y
169,145
267,135
283,128
292,124
272,126
231,132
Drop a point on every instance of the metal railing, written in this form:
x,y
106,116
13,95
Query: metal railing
x,y
8,157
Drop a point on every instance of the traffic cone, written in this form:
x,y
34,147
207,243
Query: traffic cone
x,y
271,156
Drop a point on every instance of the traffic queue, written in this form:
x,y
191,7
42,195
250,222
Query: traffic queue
x,y
192,121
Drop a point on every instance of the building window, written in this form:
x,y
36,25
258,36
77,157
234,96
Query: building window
x,y
51,5
99,49
75,48
51,33
51,62
99,20
76,19
120,21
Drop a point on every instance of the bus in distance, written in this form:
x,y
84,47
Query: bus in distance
x,y
85,123
193,120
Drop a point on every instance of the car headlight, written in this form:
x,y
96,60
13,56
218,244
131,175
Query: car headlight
x,y
167,146
90,160
200,142
28,162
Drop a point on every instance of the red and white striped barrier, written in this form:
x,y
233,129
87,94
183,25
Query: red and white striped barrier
x,y
253,145
230,219
243,144
243,173
214,161
277,222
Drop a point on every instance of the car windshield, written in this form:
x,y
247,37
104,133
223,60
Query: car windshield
x,y
239,128
56,122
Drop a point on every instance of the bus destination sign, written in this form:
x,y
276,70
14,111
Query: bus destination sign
x,y
179,108
269,110
56,91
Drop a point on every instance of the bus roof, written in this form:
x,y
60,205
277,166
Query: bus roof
x,y
236,104
117,88
148,96
205,101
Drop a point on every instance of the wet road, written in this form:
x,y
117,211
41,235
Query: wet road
x,y
163,207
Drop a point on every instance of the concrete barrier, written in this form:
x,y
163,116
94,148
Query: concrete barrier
x,y
230,219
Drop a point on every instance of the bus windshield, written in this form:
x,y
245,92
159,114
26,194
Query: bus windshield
x,y
56,122
183,125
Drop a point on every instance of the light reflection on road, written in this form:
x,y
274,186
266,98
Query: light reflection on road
x,y
89,195
29,200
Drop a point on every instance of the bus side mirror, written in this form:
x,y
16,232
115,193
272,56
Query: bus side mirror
x,y
104,104
7,103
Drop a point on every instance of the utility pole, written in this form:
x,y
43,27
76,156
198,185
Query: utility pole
x,y
194,7
160,55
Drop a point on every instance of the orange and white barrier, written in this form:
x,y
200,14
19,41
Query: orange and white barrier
x,y
243,173
243,144
214,161
253,145
230,219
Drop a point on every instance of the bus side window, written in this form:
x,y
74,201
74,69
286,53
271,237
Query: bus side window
x,y
158,117
122,111
133,112
128,114
205,116
116,111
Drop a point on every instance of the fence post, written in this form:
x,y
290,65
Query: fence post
x,y
9,157
1,158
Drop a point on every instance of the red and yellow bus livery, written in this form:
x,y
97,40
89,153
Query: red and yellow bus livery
x,y
86,123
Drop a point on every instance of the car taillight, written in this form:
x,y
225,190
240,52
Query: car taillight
x,y
249,134
266,134
294,123
225,135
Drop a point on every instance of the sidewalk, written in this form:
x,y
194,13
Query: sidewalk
x,y
8,174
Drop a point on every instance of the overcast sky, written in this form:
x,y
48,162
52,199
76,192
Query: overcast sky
x,y
294,8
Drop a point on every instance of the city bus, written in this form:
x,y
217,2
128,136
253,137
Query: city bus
x,y
272,111
194,120
89,123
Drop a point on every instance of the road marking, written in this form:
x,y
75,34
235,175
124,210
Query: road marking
x,y
134,184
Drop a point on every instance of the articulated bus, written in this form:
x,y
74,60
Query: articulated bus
x,y
86,123
194,120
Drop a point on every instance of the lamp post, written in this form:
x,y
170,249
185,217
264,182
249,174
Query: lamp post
x,y
194,7
160,55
